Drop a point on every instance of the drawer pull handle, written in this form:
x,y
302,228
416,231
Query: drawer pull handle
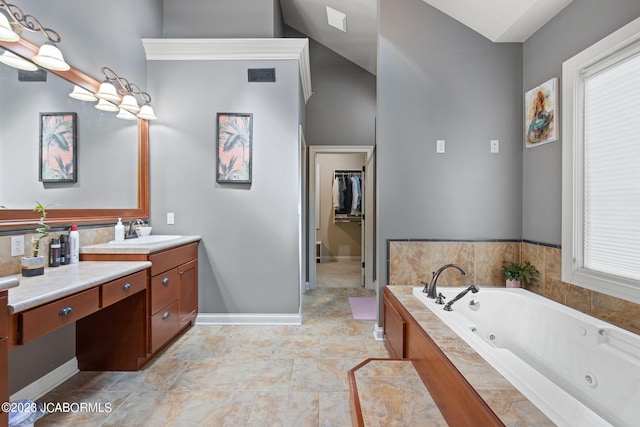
x,y
181,273
166,315
165,281
127,286
65,311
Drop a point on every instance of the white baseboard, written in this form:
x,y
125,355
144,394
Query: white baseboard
x,y
45,384
248,319
378,333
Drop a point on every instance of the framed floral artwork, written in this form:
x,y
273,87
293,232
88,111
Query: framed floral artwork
x,y
58,147
234,146
541,117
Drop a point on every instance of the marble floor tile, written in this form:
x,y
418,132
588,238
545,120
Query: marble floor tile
x,y
320,375
285,409
238,375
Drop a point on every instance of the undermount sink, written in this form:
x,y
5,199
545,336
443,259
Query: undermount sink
x,y
146,240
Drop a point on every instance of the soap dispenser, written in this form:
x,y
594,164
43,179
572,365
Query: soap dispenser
x,y
119,231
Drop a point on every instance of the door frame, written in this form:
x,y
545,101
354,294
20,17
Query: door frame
x,y
369,208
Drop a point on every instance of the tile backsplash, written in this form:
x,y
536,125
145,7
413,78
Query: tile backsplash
x,y
11,265
412,261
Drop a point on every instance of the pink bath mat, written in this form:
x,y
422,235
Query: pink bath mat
x,y
363,308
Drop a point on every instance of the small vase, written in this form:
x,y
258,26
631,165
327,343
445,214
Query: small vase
x,y
32,266
513,283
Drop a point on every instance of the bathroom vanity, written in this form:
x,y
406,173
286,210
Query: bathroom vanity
x,y
171,283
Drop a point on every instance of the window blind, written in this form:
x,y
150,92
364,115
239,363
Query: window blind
x,y
611,132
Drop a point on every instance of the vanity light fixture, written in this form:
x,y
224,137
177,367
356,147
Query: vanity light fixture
x,y
13,21
121,95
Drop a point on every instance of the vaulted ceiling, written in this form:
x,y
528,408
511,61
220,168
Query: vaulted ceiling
x,y
497,20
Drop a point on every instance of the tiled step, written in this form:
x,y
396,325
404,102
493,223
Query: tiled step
x,y
389,392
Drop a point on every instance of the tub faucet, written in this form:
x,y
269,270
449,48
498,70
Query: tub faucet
x,y
474,289
431,288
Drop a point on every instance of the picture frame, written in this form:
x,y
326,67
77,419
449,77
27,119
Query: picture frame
x,y
541,114
58,160
234,146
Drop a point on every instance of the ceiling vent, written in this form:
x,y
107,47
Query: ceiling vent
x,y
337,19
262,75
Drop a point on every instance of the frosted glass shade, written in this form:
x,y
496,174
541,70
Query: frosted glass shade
x,y
105,105
130,104
146,112
108,92
15,61
82,94
126,115
6,32
50,57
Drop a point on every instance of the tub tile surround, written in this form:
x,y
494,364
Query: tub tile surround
x,y
412,261
11,265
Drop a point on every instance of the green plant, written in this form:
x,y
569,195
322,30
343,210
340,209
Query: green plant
x,y
42,230
519,272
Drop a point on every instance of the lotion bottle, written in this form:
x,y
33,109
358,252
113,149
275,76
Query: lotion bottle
x,y
74,245
119,231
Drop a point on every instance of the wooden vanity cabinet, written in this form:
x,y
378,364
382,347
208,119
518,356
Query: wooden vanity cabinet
x,y
174,287
172,290
394,328
4,356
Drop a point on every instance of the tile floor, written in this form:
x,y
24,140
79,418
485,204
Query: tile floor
x,y
237,375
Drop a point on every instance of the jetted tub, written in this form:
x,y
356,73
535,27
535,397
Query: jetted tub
x,y
578,370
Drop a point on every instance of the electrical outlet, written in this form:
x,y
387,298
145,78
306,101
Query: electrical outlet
x,y
495,146
440,146
171,219
17,245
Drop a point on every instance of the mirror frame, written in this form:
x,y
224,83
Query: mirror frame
x,y
19,218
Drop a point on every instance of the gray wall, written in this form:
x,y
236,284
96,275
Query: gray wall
x,y
223,19
342,110
580,25
249,251
437,79
90,40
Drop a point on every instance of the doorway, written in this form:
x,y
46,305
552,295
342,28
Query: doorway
x,y
340,233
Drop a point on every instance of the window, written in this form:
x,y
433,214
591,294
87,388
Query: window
x,y
601,166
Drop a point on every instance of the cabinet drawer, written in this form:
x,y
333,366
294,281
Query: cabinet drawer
x,y
163,261
164,325
49,317
164,289
120,289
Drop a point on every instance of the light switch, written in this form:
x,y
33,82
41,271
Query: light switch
x,y
495,146
440,146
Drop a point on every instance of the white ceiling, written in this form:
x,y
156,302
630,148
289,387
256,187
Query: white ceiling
x,y
497,20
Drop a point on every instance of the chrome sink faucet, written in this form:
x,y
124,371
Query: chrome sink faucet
x,y
431,288
131,233
474,289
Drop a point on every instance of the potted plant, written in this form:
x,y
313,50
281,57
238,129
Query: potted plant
x,y
515,273
34,265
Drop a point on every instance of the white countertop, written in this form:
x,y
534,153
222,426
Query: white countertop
x,y
8,282
59,282
130,247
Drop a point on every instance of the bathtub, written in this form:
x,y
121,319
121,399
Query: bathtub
x,y
578,370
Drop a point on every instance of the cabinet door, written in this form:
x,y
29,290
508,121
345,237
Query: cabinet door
x,y
188,298
394,329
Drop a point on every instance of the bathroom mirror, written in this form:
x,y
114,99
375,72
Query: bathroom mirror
x,y
111,156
